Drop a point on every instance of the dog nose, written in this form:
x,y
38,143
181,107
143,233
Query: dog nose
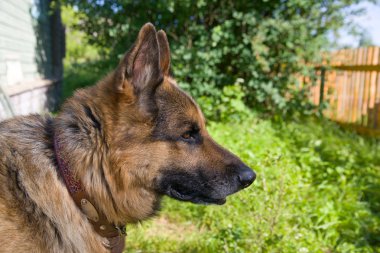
x,y
246,176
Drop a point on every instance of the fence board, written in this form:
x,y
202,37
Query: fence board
x,y
351,88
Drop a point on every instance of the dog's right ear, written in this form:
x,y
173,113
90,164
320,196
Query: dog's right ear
x,y
140,67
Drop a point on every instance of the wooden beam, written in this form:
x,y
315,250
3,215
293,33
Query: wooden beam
x,y
357,67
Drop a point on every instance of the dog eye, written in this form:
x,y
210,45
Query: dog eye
x,y
190,135
187,136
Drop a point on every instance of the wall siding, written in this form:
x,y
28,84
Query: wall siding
x,y
27,55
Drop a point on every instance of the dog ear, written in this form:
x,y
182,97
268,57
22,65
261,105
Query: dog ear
x,y
164,52
140,66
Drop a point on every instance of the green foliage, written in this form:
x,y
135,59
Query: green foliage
x,y
266,43
317,190
228,106
77,47
80,75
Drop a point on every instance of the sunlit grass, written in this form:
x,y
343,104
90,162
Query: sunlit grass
x,y
317,190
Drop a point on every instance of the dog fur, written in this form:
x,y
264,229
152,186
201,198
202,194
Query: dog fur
x,y
130,139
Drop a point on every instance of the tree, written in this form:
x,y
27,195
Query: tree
x,y
264,44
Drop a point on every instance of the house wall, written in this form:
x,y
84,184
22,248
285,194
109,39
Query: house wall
x,y
31,52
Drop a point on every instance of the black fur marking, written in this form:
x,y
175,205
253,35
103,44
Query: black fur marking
x,y
48,127
108,188
33,214
57,234
74,128
192,186
163,136
15,184
49,135
23,201
163,123
160,135
95,121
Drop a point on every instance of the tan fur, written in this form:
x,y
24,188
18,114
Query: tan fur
x,y
119,138
35,207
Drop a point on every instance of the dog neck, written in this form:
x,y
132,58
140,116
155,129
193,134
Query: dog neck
x,y
90,135
114,234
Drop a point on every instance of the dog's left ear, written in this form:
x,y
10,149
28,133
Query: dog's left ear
x,y
140,66
164,52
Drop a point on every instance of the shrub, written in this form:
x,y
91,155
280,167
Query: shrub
x,y
214,43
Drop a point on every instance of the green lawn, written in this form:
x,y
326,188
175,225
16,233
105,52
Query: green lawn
x,y
317,190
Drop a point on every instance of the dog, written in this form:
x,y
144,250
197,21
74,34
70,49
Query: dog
x,y
70,183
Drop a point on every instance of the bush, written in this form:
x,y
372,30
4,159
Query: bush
x,y
228,106
214,43
80,75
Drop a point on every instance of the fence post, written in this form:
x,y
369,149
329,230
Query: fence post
x,y
322,88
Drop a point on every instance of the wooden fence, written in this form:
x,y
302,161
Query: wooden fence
x,y
350,84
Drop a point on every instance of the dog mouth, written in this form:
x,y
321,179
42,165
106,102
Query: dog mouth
x,y
184,194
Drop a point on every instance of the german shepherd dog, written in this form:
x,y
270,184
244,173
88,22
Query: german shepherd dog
x,y
70,183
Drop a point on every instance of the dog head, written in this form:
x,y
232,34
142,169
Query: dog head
x,y
146,138
160,132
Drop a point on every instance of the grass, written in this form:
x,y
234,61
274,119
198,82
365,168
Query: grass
x,y
317,190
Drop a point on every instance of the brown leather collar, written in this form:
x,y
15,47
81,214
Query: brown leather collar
x,y
115,235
